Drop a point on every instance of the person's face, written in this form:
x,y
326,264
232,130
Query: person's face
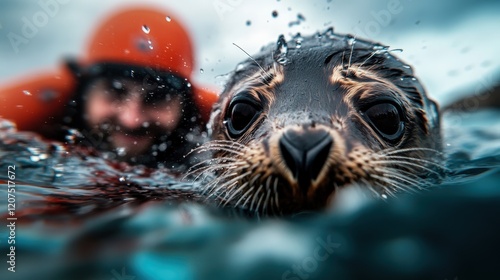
x,y
129,116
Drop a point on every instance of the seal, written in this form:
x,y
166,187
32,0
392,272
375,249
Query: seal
x,y
306,117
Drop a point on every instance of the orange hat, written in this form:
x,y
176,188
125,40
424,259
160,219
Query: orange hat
x,y
148,37
142,37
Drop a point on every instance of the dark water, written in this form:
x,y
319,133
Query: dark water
x,y
81,217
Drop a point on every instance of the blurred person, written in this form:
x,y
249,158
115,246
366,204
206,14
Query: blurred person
x,y
130,94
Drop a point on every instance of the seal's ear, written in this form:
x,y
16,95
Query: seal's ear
x,y
433,114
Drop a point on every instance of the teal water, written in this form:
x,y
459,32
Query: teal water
x,y
80,217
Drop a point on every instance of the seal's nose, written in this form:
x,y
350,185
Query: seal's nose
x,y
305,152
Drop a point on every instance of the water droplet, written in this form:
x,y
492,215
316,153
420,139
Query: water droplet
x,y
329,32
248,23
275,14
281,50
201,71
7,126
122,179
117,84
121,151
384,196
239,67
168,19
146,29
300,17
162,147
132,73
145,124
27,92
188,85
298,40
406,66
351,40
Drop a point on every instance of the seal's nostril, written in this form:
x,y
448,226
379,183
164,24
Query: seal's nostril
x,y
305,152
317,156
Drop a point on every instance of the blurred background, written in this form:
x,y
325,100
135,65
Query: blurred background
x,y
452,45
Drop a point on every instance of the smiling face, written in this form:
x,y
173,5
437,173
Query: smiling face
x,y
330,114
130,117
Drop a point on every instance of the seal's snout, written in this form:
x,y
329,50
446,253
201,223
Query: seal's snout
x,y
305,152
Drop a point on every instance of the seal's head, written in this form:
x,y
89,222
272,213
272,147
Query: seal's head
x,y
306,117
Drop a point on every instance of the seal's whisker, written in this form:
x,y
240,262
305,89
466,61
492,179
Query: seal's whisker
x,y
203,173
235,192
276,194
370,187
255,178
259,202
395,175
391,151
261,68
222,143
203,163
388,162
343,66
433,163
235,179
250,196
266,201
214,184
255,196
212,168
366,60
350,56
403,172
218,149
395,184
247,193
226,142
385,190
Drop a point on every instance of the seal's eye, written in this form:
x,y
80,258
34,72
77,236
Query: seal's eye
x,y
240,116
386,119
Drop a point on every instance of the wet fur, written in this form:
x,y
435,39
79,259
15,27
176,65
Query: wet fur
x,y
320,84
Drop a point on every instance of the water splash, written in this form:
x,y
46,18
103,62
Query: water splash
x,y
121,151
281,50
379,47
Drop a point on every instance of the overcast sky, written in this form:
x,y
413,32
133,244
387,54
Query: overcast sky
x,y
453,45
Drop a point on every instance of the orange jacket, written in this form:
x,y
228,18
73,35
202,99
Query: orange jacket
x,y
37,100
